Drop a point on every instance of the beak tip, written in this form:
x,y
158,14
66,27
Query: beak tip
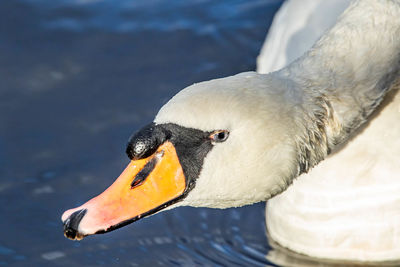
x,y
65,216
71,224
73,235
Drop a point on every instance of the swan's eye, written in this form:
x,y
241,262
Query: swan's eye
x,y
219,136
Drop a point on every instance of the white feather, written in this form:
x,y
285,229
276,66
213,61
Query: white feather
x,y
285,122
347,207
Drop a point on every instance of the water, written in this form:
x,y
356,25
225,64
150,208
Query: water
x,y
77,78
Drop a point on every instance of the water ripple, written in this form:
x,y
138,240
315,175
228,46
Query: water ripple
x,y
201,16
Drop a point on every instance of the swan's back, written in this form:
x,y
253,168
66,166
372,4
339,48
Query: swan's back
x,y
295,28
348,206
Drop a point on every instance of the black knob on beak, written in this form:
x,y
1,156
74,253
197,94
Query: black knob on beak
x,y
145,142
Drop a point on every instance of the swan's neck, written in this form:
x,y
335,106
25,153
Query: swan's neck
x,y
345,76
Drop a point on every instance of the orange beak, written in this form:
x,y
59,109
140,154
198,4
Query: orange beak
x,y
144,187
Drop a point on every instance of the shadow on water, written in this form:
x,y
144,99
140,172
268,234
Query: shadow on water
x,y
77,78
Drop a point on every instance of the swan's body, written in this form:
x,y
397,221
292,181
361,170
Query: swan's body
x,y
348,206
243,139
296,27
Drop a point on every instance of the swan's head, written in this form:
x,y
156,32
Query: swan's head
x,y
221,143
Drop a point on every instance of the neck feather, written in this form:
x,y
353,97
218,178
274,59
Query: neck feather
x,y
345,76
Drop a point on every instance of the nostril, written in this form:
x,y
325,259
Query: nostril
x,y
71,224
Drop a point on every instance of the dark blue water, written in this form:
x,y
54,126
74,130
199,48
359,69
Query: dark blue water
x,y
77,77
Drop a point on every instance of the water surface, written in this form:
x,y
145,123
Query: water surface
x,y
77,78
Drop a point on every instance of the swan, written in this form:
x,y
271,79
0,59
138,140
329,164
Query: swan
x,y
346,190
245,138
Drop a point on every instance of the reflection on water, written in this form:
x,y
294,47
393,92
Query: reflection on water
x,y
77,78
284,257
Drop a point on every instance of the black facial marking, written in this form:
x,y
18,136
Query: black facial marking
x,y
142,175
145,142
192,146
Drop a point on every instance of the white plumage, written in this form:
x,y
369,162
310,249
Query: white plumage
x,y
283,123
349,205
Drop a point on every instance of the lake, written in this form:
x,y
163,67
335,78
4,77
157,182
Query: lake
x,y
77,78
